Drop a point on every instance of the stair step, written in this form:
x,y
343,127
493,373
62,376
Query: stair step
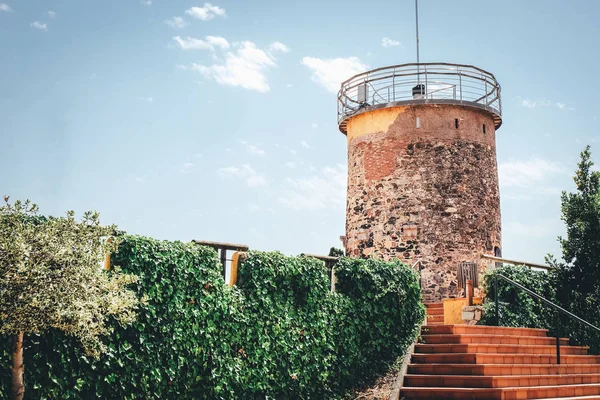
x,y
489,358
502,369
576,398
498,349
435,318
481,330
434,305
465,381
492,339
435,311
532,392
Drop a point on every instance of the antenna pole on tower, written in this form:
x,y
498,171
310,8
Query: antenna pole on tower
x,y
417,25
417,29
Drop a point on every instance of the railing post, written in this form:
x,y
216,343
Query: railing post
x,y
497,302
557,338
425,83
460,83
394,84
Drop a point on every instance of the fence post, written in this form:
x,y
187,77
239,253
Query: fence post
x,y
497,302
557,338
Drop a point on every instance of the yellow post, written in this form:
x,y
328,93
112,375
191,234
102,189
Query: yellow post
x,y
236,260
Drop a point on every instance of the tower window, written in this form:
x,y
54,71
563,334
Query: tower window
x,y
456,123
418,122
483,128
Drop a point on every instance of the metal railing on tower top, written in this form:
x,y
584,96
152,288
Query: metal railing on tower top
x,y
424,83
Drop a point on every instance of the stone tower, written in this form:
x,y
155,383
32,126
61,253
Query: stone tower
x,y
422,171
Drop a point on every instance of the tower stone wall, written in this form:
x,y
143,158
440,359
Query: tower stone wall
x,y
423,185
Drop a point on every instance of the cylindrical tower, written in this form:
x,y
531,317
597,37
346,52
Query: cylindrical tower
x,y
422,170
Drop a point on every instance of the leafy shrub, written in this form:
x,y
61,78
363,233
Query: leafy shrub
x,y
280,334
516,307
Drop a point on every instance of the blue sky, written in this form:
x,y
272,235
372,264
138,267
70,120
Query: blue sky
x,y
185,120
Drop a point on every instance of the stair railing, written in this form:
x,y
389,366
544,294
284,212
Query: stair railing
x,y
543,300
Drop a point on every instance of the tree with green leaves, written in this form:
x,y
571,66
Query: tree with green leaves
x,y
51,278
578,273
580,264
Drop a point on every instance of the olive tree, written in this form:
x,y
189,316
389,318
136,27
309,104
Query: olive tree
x,y
51,278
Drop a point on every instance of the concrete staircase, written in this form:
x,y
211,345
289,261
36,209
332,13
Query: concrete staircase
x,y
483,362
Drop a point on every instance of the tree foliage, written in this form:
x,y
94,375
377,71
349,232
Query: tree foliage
x,y
580,265
50,276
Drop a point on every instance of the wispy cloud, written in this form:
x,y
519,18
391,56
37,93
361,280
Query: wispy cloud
x,y
279,47
52,14
528,103
246,67
5,7
208,43
39,25
326,189
244,172
304,144
206,12
528,174
387,42
146,2
330,73
252,148
146,99
176,22
187,167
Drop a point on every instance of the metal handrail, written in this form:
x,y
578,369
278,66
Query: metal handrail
x,y
543,300
444,83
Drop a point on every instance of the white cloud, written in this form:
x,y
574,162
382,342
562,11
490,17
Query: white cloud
x,y
176,22
540,103
51,14
187,167
93,75
304,144
245,68
527,103
324,190
387,42
245,172
332,72
252,148
206,12
279,47
290,164
146,99
314,125
209,43
146,2
5,7
39,25
527,174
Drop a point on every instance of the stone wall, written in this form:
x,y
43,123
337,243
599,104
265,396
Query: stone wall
x,y
423,189
471,315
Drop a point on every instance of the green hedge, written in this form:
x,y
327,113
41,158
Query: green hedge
x,y
517,308
280,333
